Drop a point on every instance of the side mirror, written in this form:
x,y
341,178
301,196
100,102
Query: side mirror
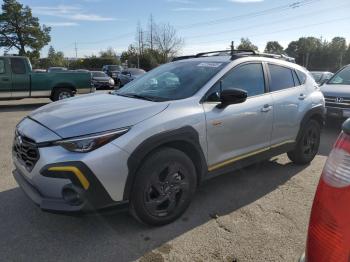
x,y
232,96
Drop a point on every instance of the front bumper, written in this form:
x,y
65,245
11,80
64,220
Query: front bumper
x,y
91,196
98,85
336,112
45,203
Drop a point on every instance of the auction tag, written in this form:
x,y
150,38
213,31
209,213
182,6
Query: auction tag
x,y
214,65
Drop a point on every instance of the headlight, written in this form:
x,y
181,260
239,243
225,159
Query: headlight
x,y
111,81
89,143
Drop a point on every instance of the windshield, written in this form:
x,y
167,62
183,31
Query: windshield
x,y
114,68
98,74
317,76
341,78
172,81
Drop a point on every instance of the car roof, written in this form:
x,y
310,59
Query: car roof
x,y
240,59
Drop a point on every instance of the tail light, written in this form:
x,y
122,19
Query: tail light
x,y
329,228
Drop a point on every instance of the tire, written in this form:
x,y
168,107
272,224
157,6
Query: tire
x,y
62,93
307,145
164,187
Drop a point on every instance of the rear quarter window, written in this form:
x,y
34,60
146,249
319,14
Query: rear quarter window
x,y
18,66
302,76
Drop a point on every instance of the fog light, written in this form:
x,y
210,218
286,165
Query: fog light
x,y
72,196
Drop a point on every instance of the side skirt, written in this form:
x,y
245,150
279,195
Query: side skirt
x,y
249,161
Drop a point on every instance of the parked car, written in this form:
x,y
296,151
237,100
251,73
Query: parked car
x,y
337,94
127,75
329,228
17,81
101,80
112,71
153,142
56,69
39,70
321,77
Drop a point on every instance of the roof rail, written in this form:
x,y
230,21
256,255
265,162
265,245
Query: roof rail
x,y
276,56
182,57
236,53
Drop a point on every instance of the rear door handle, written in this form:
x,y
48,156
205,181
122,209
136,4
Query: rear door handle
x,y
5,79
266,108
302,97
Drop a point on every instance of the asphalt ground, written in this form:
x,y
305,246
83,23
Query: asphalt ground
x,y
256,214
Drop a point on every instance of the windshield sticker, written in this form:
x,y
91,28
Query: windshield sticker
x,y
214,65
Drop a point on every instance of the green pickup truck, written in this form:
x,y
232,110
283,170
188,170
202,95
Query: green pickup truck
x,y
17,81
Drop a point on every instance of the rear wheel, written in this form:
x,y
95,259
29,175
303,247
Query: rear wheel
x,y
62,93
307,145
164,187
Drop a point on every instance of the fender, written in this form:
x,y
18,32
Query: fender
x,y
316,112
185,139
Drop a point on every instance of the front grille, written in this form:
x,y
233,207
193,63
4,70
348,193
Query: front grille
x,y
338,102
26,151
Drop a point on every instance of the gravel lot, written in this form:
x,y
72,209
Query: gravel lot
x,y
257,214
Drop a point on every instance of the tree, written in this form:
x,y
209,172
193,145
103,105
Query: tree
x,y
247,44
338,48
274,47
109,53
167,43
20,30
55,58
347,56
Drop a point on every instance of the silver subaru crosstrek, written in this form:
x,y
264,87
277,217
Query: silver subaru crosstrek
x,y
152,143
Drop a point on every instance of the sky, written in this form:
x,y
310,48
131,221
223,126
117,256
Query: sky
x,y
205,25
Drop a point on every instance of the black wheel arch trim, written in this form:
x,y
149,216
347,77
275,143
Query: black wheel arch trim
x,y
185,136
317,113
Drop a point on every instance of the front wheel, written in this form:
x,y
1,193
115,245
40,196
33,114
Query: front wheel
x,y
62,93
164,187
307,145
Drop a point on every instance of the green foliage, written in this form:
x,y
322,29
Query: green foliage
x,y
273,47
21,31
247,44
317,54
148,60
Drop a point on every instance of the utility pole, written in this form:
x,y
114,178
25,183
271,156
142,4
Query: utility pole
x,y
76,49
151,31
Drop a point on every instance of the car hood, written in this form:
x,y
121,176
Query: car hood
x,y
336,90
94,113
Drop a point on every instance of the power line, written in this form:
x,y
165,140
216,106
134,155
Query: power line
x,y
280,8
269,23
282,30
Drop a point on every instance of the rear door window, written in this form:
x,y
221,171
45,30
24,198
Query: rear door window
x,y
2,66
281,78
18,66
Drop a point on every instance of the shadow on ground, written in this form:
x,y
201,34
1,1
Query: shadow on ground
x,y
329,136
19,108
26,233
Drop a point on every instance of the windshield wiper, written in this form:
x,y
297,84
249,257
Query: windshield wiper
x,y
143,97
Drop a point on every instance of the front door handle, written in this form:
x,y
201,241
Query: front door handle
x,y
5,79
266,108
302,97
